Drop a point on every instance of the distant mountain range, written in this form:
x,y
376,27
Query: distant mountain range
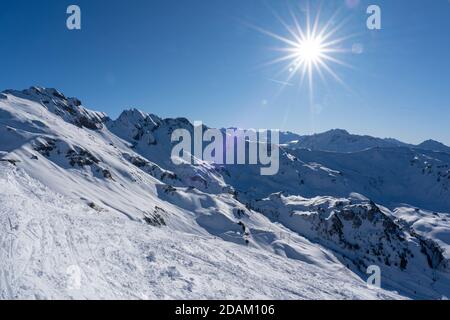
x,y
339,140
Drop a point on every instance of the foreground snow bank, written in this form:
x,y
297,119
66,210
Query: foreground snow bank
x,y
47,239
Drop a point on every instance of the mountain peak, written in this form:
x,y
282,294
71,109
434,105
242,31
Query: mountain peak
x,y
135,116
337,132
37,92
340,140
431,141
69,109
134,113
434,145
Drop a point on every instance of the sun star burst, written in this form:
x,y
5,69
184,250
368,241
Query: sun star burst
x,y
309,48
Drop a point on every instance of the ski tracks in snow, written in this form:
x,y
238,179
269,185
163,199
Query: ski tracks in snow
x,y
46,237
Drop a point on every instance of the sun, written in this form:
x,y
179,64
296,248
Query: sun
x,y
310,48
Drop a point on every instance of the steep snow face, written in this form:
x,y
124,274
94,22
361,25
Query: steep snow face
x,y
136,125
115,180
69,109
150,136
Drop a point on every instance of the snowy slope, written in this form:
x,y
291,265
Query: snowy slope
x,y
81,189
431,225
364,234
43,235
390,176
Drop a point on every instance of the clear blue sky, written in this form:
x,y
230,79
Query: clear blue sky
x,y
200,59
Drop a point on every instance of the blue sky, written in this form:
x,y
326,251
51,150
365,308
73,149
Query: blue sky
x,y
201,60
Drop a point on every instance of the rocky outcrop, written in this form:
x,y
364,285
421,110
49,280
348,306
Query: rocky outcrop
x,y
358,230
70,156
69,109
153,169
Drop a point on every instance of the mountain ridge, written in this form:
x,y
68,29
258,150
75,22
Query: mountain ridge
x,y
295,140
316,214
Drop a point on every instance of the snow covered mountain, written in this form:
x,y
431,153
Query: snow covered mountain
x,y
433,145
339,140
83,192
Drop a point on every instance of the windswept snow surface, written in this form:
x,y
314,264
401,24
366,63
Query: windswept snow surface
x,y
44,236
84,197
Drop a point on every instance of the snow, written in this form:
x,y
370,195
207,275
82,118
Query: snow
x,y
433,225
45,234
82,192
